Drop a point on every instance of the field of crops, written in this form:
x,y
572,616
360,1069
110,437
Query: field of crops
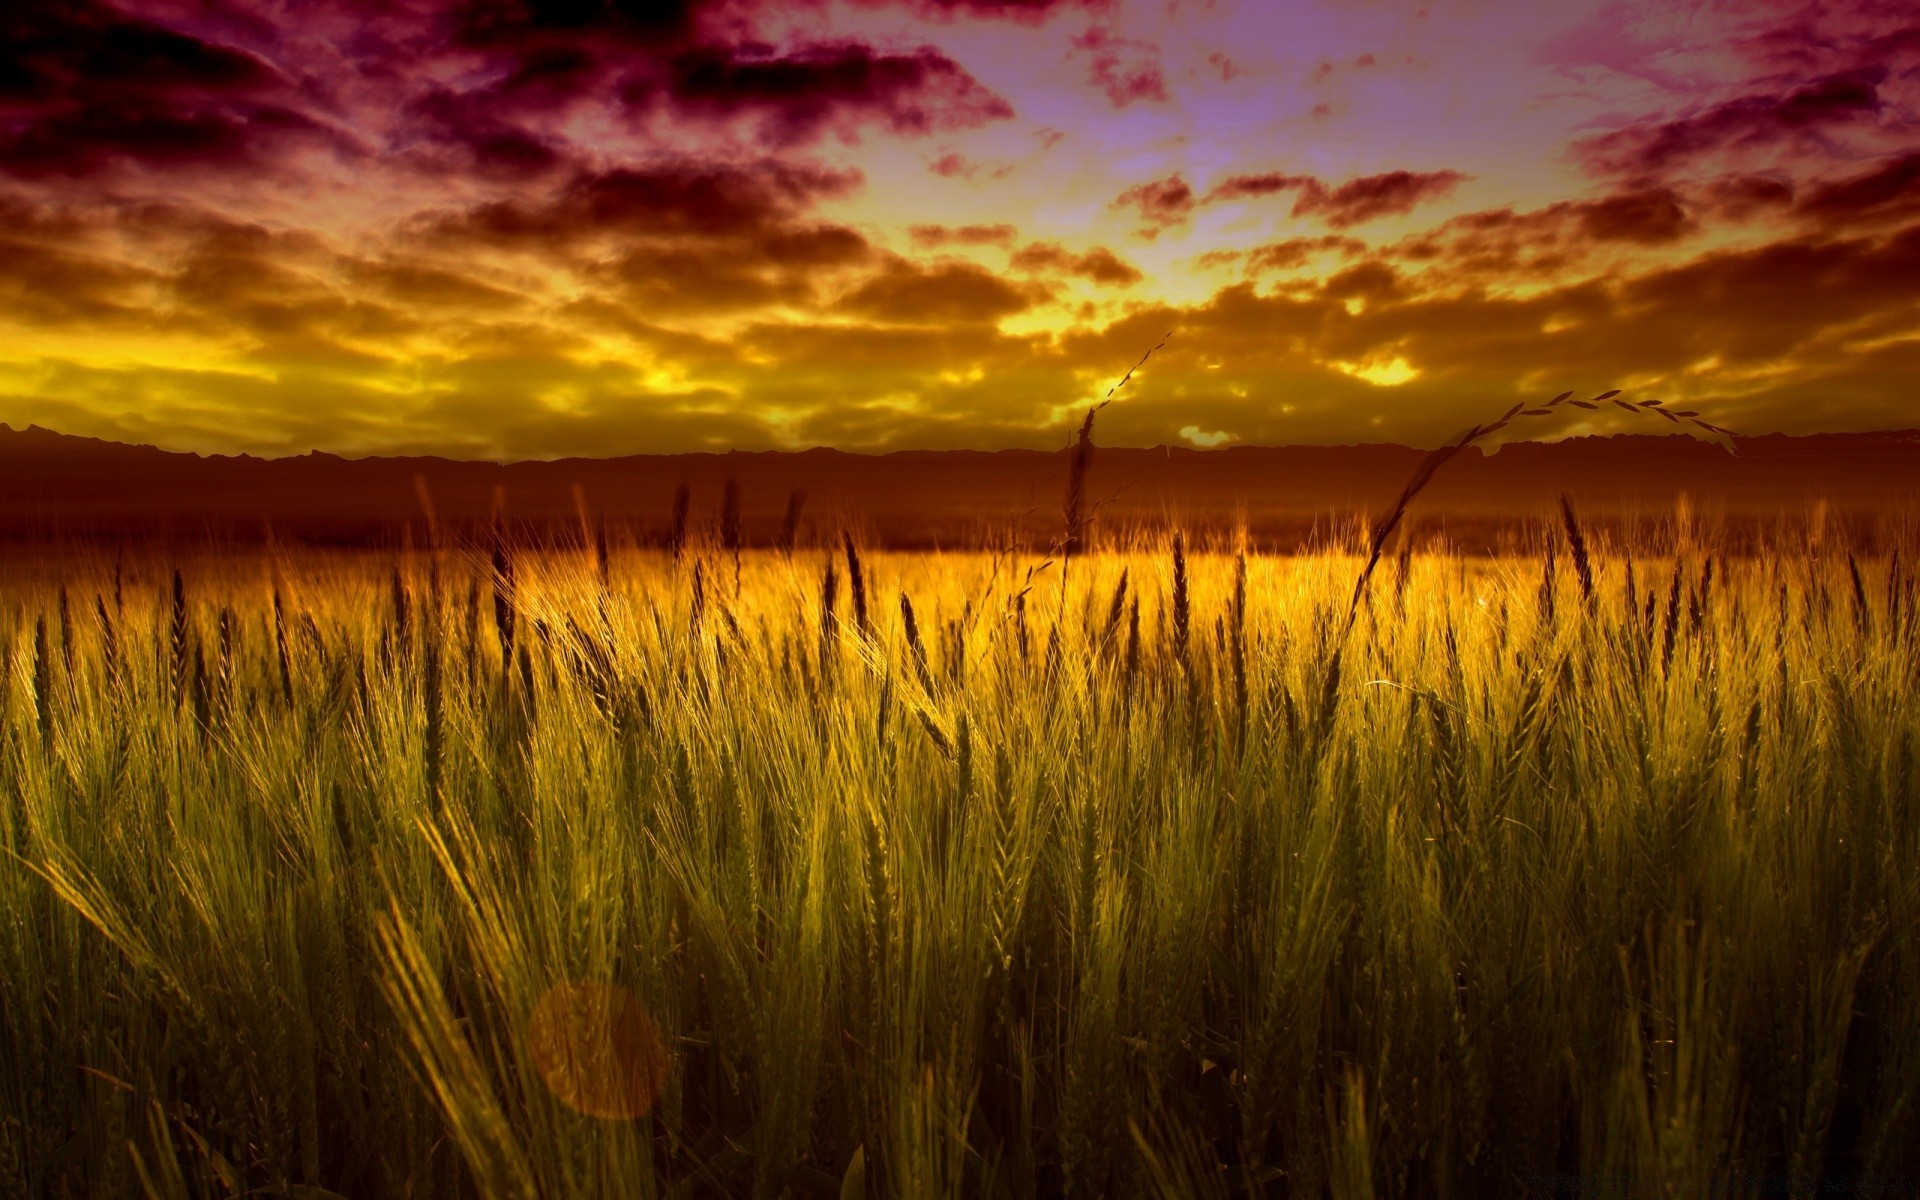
x,y
510,872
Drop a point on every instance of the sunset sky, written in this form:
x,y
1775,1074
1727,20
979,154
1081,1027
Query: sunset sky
x,y
537,228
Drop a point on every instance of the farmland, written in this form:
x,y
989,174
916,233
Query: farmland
x,y
507,869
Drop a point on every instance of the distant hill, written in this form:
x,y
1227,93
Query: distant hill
x,y
53,484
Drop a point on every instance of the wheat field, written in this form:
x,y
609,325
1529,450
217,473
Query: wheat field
x,y
494,870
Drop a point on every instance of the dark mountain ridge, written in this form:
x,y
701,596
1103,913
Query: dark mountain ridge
x,y
54,484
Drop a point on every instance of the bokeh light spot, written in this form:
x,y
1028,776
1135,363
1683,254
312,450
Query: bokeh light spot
x,y
598,1050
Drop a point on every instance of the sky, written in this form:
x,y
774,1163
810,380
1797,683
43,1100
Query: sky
x,y
546,228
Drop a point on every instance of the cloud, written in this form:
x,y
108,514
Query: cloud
x,y
927,236
589,226
687,198
1372,196
1889,191
1126,69
541,23
705,61
1248,187
1354,202
1760,121
954,165
676,281
819,88
907,293
1290,254
1539,244
1022,11
57,272
687,238
1814,40
85,88
1729,332
1650,217
1740,197
475,139
1099,265
1163,203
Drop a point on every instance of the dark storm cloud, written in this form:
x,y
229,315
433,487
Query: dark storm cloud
x,y
1025,11
684,239
704,60
685,199
481,141
477,88
824,87
521,23
85,88
1890,191
1760,120
1650,217
680,279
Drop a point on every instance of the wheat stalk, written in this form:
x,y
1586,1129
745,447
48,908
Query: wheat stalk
x,y
1424,473
1073,541
677,524
856,585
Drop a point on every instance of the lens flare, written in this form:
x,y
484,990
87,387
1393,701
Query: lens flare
x,y
598,1050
